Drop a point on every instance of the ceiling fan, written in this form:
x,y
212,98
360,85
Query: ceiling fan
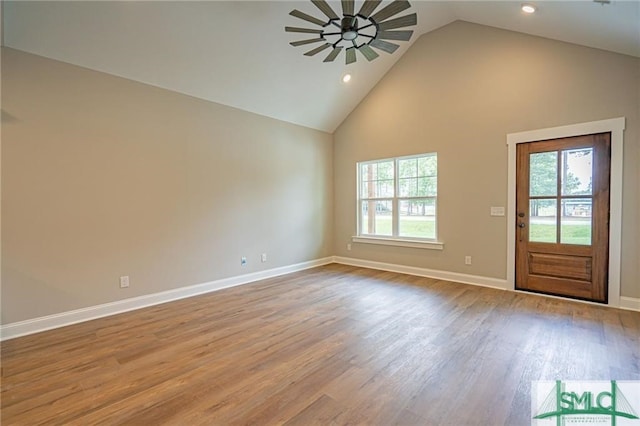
x,y
355,31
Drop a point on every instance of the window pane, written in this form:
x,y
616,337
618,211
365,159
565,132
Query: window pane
x,y
376,217
365,171
384,188
376,189
376,180
418,177
577,171
542,221
385,170
417,218
408,167
408,187
418,187
543,174
428,166
575,223
428,186
364,188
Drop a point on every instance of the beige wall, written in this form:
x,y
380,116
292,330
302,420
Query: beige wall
x,y
459,91
103,177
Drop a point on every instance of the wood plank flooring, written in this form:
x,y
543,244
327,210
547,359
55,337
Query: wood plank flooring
x,y
332,345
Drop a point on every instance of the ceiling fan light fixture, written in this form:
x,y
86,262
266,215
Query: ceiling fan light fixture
x,y
353,32
349,35
349,28
528,8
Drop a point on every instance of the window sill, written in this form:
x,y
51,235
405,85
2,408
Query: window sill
x,y
399,242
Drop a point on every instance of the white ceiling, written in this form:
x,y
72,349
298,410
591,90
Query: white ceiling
x,y
237,53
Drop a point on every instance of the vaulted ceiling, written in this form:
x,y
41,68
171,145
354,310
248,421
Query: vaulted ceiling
x,y
237,52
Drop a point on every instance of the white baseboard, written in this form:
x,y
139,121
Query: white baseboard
x,y
36,325
423,272
630,303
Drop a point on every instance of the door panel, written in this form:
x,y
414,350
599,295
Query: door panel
x,y
553,265
562,226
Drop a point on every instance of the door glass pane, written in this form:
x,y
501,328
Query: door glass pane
x,y
543,174
575,223
417,218
542,221
375,217
577,171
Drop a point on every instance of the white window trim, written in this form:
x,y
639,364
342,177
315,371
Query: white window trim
x,y
396,241
399,242
616,126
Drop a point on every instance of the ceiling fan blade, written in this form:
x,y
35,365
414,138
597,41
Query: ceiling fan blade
x,y
348,7
368,7
394,35
317,49
384,45
302,30
368,52
309,18
393,8
308,41
350,55
325,8
334,53
403,21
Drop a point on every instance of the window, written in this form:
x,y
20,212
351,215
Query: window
x,y
397,198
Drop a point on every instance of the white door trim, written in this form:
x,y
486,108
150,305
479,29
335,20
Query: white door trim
x,y
616,127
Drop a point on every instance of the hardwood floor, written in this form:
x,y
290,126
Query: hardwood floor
x,y
331,345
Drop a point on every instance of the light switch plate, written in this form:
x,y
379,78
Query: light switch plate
x,y
497,211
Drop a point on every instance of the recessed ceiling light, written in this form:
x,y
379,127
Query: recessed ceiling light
x,y
346,78
528,8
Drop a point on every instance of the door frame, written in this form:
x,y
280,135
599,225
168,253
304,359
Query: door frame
x,y
616,126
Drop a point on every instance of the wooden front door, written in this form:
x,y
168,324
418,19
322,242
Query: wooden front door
x,y
562,216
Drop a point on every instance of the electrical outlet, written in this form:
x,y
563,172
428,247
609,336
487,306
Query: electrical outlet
x,y
124,281
263,258
349,246
243,261
467,260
